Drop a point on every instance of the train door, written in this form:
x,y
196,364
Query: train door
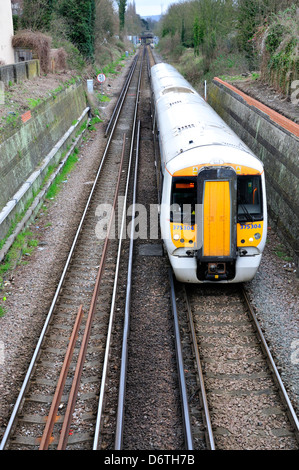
x,y
216,195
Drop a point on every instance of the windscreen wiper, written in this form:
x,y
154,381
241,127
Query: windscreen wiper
x,y
246,213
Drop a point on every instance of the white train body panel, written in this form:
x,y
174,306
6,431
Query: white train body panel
x,y
206,165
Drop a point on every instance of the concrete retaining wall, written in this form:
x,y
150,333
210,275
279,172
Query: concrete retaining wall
x,y
26,152
276,146
16,73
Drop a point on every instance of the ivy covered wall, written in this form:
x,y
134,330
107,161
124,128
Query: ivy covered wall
x,y
280,50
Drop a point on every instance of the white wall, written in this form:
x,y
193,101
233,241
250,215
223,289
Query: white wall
x,y
6,33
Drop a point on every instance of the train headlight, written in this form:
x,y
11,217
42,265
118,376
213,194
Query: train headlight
x,y
257,236
176,236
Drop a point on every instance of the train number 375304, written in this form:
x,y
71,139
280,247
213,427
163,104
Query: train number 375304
x,y
183,227
250,226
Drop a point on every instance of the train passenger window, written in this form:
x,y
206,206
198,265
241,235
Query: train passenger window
x,y
183,200
249,198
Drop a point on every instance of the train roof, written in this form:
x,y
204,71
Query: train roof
x,y
195,158
186,121
166,79
189,122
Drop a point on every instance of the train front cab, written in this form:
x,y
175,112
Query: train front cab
x,y
216,241
225,236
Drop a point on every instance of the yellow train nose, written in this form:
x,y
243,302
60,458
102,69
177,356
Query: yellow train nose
x,y
216,219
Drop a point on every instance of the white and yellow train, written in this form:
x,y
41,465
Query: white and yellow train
x,y
213,212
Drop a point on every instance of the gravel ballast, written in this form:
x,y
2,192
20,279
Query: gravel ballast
x,y
30,287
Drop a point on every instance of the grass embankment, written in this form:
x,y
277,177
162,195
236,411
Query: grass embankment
x,y
228,67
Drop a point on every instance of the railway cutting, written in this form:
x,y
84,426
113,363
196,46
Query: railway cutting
x,y
130,357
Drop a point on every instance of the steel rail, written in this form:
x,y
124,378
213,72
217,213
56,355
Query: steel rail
x,y
291,412
82,353
180,362
124,357
206,412
55,298
47,434
122,93
148,63
112,309
183,388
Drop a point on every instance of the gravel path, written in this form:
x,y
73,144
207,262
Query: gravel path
x,y
29,288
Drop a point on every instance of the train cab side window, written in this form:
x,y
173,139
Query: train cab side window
x,y
183,200
249,198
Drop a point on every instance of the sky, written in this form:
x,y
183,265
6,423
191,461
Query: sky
x,y
152,7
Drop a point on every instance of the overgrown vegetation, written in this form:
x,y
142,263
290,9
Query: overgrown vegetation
x,y
80,21
122,11
69,165
281,253
227,37
280,47
86,37
77,18
23,245
37,41
90,32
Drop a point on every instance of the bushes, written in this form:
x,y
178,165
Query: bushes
x,y
279,50
234,37
41,45
74,58
191,67
201,25
37,14
74,20
37,41
80,18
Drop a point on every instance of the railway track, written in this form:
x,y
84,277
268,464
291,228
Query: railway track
x,y
195,416
237,399
58,402
129,419
192,374
232,396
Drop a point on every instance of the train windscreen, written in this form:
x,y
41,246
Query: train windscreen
x,y
184,193
183,200
249,198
